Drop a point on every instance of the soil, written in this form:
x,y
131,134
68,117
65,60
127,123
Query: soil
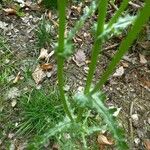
x,y
130,91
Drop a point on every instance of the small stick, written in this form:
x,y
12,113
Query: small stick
x,y
113,5
49,55
110,47
130,122
134,5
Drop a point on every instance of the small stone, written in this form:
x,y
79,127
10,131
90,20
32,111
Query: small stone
x,y
135,117
48,74
140,133
16,124
110,88
13,103
137,141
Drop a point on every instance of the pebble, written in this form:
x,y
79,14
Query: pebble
x,y
137,141
135,117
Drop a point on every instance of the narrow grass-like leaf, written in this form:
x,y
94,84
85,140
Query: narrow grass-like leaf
x,y
43,33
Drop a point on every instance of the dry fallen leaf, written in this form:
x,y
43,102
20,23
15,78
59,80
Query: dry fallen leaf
x,y
10,11
43,53
142,59
46,67
17,78
102,140
119,72
125,64
76,8
55,147
145,83
79,58
39,1
147,144
38,75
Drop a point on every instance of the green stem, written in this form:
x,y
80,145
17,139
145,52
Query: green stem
x,y
125,44
60,60
97,43
102,7
118,13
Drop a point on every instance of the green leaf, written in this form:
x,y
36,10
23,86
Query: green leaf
x,y
82,100
141,19
117,28
110,121
88,11
95,101
41,140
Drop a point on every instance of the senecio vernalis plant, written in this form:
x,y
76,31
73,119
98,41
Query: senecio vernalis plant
x,y
91,98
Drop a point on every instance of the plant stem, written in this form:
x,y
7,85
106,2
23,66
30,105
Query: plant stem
x,y
97,43
118,13
125,44
60,60
102,8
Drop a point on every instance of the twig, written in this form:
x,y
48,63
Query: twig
x,y
113,5
110,47
54,22
49,55
130,122
134,5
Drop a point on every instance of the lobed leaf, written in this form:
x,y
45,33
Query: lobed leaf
x,y
95,101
